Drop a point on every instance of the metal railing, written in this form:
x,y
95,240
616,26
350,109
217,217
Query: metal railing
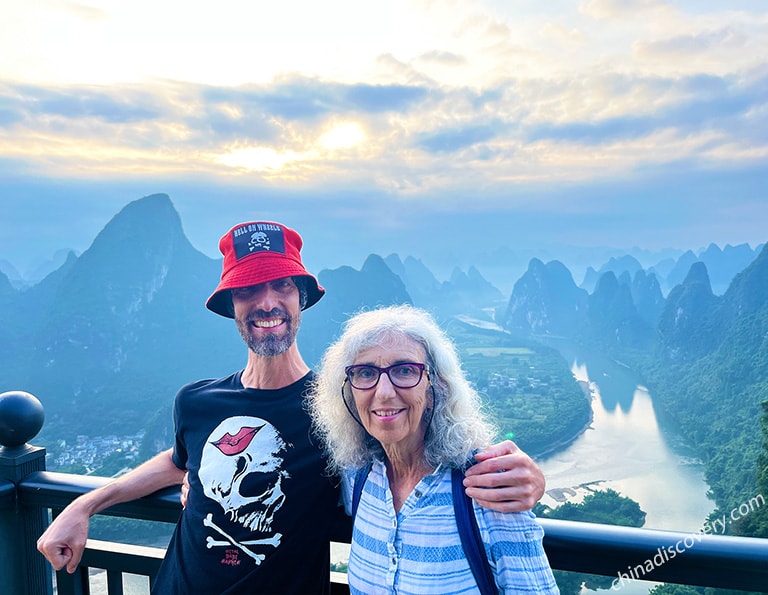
x,y
29,495
624,553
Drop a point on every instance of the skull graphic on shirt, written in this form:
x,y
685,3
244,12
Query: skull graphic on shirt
x,y
241,469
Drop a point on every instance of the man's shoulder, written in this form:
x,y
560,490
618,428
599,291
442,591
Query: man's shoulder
x,y
230,381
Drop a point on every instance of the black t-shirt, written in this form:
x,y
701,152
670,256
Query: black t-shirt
x,y
260,505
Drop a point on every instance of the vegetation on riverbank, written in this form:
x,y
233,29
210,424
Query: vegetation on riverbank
x,y
605,506
528,388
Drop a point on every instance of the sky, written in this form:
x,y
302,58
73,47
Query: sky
x,y
416,127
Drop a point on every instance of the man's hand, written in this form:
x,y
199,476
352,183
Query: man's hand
x,y
63,541
184,495
516,480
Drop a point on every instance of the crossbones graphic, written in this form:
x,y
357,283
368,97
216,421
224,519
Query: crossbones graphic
x,y
274,541
258,240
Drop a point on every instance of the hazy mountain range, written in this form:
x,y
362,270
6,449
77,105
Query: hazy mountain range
x,y
503,265
131,308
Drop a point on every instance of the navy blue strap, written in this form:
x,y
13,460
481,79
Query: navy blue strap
x,y
469,533
357,489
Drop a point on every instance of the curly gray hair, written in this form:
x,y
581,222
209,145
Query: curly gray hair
x,y
458,425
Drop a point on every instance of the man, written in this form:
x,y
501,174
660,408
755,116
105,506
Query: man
x,y
260,508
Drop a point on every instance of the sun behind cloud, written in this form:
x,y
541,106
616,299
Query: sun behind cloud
x,y
343,136
271,161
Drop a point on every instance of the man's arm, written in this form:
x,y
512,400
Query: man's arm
x,y
64,540
517,481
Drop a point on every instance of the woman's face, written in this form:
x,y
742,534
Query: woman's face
x,y
392,415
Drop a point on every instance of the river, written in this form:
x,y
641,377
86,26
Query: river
x,y
628,449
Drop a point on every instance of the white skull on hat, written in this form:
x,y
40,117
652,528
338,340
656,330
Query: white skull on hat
x,y
259,240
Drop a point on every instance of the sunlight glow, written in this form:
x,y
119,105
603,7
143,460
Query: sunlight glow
x,y
343,136
258,159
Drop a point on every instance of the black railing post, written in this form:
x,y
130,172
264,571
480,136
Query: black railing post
x,y
23,570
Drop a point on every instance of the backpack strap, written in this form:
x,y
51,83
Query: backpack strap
x,y
357,488
469,533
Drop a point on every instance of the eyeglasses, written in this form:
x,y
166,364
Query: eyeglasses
x,y
405,375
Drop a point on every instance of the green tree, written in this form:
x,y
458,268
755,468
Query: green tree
x,y
676,590
755,524
607,507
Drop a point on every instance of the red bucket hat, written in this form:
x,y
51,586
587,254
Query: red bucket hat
x,y
258,252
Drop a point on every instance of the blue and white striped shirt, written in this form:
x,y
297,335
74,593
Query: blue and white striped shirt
x,y
418,550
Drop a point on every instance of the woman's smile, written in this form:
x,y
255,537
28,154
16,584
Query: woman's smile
x,y
386,414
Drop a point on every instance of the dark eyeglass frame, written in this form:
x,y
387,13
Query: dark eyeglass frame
x,y
421,367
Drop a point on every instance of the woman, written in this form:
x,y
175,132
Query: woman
x,y
406,409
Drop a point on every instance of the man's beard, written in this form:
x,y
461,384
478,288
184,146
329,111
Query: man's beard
x,y
269,344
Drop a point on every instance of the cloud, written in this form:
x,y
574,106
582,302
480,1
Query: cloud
x,y
448,140
442,58
309,99
10,112
127,105
735,106
561,34
86,12
619,9
417,137
694,43
384,98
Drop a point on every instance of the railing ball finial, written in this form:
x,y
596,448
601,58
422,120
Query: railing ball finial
x,y
21,417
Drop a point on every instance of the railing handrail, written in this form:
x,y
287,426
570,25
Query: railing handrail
x,y
701,560
50,489
690,558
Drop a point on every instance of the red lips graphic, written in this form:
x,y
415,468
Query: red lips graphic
x,y
232,445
